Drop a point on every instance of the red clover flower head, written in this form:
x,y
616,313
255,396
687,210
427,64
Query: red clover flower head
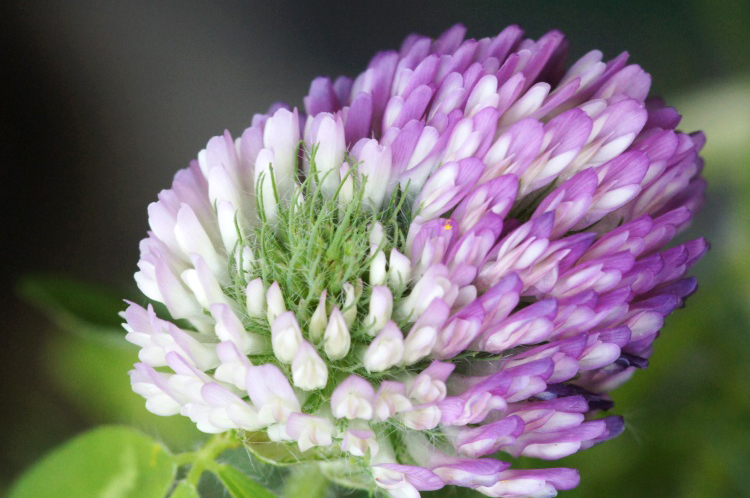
x,y
441,265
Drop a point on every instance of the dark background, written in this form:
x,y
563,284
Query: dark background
x,y
103,101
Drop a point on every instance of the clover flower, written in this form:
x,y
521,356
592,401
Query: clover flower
x,y
443,264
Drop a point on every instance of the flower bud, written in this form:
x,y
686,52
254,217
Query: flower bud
x,y
265,176
230,328
390,399
336,339
422,418
346,192
352,399
386,350
309,431
325,132
375,166
358,441
309,371
436,283
270,392
381,306
429,385
245,259
377,233
275,302
234,365
227,216
282,135
255,298
319,319
418,344
378,272
350,304
286,336
399,270
203,284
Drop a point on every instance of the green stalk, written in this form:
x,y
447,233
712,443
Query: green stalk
x,y
205,457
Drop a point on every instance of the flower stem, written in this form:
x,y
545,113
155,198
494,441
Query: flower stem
x,y
305,481
203,458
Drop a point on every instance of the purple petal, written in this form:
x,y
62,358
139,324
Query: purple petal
x,y
471,472
419,477
321,97
358,118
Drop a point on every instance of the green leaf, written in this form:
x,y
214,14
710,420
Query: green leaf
x,y
239,485
72,363
184,490
108,462
75,306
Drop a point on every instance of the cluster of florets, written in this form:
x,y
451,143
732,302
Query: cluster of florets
x,y
444,264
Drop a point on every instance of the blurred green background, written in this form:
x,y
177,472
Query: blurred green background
x,y
106,100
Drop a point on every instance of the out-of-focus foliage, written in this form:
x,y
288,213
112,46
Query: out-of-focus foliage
x,y
89,359
239,485
107,462
185,490
96,381
74,306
